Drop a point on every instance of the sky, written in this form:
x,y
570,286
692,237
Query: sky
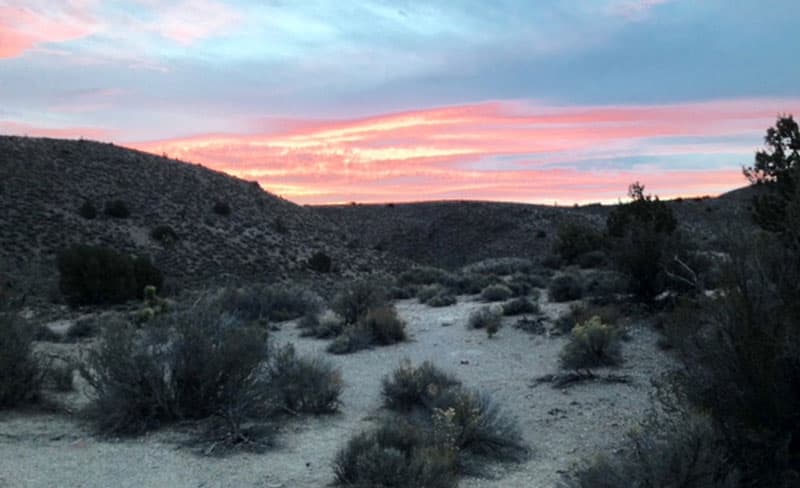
x,y
391,101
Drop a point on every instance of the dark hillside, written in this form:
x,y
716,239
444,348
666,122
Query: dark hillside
x,y
223,226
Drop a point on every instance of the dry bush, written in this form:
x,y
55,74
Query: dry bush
x,y
565,288
496,293
276,302
409,386
353,301
395,455
682,453
520,306
485,318
592,344
21,376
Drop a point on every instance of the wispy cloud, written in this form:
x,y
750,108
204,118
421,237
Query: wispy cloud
x,y
547,152
27,25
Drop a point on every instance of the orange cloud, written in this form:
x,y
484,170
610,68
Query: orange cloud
x,y
498,151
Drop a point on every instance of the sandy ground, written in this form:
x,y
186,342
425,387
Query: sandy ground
x,y
562,427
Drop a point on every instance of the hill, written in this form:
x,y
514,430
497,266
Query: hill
x,y
450,234
45,182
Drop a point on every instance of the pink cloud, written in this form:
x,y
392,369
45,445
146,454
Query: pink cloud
x,y
434,153
189,21
23,28
21,129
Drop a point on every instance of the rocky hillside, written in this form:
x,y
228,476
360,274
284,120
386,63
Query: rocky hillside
x,y
45,182
451,234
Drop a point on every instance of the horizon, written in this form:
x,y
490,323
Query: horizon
x,y
375,102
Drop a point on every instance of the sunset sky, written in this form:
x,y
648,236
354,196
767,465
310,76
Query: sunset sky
x,y
377,101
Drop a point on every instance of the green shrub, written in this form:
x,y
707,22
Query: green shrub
x,y
643,241
320,262
117,209
496,293
21,376
484,318
409,386
98,275
577,239
592,344
276,302
355,299
520,306
164,234
87,210
499,266
565,288
395,455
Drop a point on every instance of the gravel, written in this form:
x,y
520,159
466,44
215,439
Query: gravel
x,y
562,427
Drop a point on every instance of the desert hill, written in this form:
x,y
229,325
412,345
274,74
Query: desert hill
x,y
45,182
454,233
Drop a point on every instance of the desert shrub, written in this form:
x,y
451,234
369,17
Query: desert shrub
x,y
427,292
576,239
98,275
21,376
87,210
742,357
592,344
320,262
520,306
409,386
380,326
354,300
353,338
643,241
221,208
472,283
385,325
499,266
403,292
481,427
443,299
277,302
578,314
496,293
305,385
195,365
325,326
522,285
606,285
117,209
565,288
684,454
592,259
164,234
425,275
552,261
485,318
395,455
